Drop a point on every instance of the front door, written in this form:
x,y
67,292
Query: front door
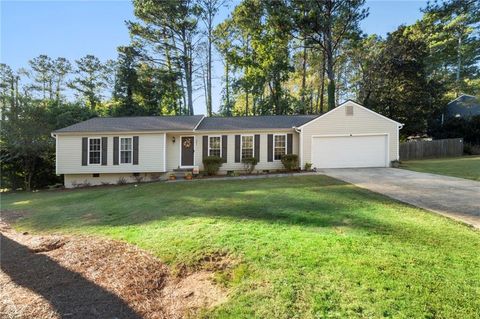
x,y
187,148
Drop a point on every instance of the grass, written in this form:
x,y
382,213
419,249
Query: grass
x,y
308,247
463,167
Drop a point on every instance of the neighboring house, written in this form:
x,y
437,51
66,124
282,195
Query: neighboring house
x,y
104,150
464,106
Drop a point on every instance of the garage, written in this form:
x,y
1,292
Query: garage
x,y
349,136
350,151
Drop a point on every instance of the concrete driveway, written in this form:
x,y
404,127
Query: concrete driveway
x,y
454,197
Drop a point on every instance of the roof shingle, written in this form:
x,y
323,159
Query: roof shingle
x,y
253,122
136,123
186,123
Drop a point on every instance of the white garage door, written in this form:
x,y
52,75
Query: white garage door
x,y
350,151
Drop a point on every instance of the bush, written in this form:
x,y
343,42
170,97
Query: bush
x,y
249,163
121,181
212,164
308,166
471,149
290,162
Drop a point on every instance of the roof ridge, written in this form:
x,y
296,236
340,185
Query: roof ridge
x,y
137,116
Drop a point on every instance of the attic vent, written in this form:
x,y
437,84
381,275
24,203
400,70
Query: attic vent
x,y
349,110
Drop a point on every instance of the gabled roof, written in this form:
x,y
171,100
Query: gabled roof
x,y
351,102
463,106
253,122
135,123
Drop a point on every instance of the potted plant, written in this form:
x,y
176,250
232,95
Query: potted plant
x,y
188,175
172,177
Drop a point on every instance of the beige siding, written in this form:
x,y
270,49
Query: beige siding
x,y
150,155
173,150
337,122
78,180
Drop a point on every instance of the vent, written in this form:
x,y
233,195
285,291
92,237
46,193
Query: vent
x,y
349,110
96,175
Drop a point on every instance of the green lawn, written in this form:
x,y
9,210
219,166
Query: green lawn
x,y
463,167
306,247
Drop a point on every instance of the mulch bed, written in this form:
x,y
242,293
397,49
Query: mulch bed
x,y
90,277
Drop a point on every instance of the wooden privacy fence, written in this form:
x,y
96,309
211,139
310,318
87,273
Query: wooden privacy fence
x,y
431,149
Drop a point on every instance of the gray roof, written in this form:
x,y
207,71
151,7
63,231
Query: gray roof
x,y
135,123
186,123
464,106
253,122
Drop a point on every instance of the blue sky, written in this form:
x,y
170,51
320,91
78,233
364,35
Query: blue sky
x,y
72,29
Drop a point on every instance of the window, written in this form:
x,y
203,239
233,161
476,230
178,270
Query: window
x,y
247,146
215,146
125,150
95,175
279,146
94,150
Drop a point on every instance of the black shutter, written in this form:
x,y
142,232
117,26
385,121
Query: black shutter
x,y
270,148
135,150
115,150
237,148
104,150
205,146
257,147
84,151
224,148
289,143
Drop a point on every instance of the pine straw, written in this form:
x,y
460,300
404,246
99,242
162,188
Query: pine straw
x,y
122,276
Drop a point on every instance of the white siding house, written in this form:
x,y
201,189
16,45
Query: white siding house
x,y
113,150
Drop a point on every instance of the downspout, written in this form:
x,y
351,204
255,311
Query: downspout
x,y
56,151
399,127
300,146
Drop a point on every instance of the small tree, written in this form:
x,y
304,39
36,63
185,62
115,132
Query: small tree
x,y
212,164
26,141
249,164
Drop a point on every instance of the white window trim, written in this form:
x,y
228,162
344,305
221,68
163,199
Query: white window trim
x,y
253,145
120,150
273,146
88,154
209,148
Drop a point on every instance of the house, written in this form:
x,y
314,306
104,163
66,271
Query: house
x,y
105,150
464,106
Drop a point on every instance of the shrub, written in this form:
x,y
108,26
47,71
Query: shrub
x,y
249,164
395,164
212,164
308,166
121,181
138,178
471,149
290,161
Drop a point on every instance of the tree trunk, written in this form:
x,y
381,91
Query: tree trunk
x,y
330,70
246,101
227,88
169,67
209,67
188,68
322,85
459,63
304,77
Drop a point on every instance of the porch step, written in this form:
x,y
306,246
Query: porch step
x,y
180,172
183,170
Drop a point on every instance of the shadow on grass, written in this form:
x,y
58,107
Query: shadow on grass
x,y
313,201
70,294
